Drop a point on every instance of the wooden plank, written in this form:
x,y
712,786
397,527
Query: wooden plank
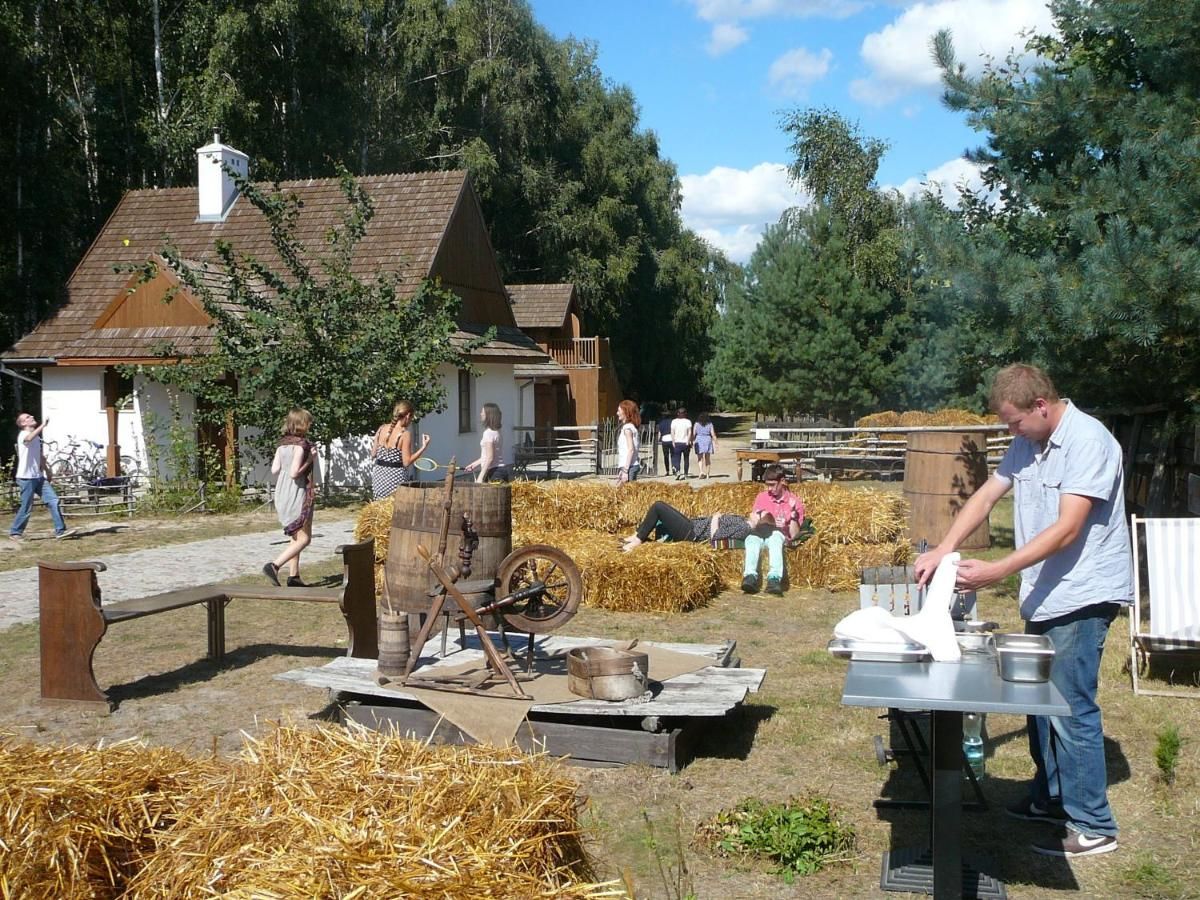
x,y
709,692
145,606
270,592
586,744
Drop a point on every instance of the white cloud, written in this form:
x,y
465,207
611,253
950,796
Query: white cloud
x,y
899,56
946,179
792,73
726,36
730,208
737,10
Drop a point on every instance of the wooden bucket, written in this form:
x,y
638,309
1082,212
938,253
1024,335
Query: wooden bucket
x,y
417,519
604,673
942,469
393,643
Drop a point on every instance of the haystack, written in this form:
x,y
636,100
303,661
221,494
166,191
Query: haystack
x,y
322,812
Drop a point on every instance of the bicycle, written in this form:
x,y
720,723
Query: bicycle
x,y
81,458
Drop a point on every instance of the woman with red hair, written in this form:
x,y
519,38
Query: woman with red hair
x,y
628,465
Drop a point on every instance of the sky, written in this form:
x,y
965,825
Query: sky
x,y
712,79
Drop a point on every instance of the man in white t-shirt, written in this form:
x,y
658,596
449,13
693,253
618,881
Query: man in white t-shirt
x,y
33,479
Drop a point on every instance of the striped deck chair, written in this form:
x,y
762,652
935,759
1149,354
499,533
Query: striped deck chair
x,y
1173,588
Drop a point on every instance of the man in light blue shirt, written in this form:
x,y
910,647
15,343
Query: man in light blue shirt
x,y
1073,554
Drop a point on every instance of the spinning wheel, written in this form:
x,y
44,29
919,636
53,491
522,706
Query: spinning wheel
x,y
538,588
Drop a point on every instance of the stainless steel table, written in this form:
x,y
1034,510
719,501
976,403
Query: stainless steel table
x,y
946,690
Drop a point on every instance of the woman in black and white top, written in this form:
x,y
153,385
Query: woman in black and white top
x,y
392,452
628,465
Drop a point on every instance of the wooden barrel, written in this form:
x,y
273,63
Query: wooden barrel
x,y
942,469
417,519
394,643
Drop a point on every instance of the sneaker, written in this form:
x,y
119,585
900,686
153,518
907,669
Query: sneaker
x,y
750,584
1031,812
775,586
1071,844
66,534
272,573
16,538
294,581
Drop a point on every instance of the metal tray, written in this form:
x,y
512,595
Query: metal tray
x,y
873,651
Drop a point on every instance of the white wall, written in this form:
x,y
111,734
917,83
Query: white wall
x,y
72,398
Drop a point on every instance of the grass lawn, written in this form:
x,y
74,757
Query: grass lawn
x,y
794,738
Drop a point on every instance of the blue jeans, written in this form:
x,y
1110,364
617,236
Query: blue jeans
x,y
1069,750
754,547
44,489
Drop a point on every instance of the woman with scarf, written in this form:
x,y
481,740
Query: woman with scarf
x,y
296,474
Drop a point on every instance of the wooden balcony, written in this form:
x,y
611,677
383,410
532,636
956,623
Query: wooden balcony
x,y
577,353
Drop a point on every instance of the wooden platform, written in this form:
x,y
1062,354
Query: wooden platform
x,y
657,732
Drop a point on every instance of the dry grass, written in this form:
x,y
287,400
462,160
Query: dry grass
x,y
325,812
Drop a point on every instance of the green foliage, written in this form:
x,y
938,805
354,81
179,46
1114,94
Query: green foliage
x,y
801,332
1166,752
572,187
283,338
799,836
183,475
1090,262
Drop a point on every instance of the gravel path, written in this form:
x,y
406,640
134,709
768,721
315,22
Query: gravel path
x,y
152,571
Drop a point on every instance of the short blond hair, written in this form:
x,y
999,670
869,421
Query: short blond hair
x,y
297,421
1021,385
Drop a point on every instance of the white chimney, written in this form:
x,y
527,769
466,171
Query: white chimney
x,y
215,186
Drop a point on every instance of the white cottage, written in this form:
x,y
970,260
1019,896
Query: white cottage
x,y
426,225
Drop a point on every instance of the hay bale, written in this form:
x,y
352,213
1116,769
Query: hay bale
x,y
655,577
885,419
375,521
78,822
323,812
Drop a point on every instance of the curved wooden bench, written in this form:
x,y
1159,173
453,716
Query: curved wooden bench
x,y
72,619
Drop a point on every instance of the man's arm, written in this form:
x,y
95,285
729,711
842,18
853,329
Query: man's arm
x,y
1073,511
970,517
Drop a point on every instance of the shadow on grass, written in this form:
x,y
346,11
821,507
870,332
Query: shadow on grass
x,y
732,737
205,670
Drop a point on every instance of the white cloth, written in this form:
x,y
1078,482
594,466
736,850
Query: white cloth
x,y
627,446
29,457
932,627
492,436
681,431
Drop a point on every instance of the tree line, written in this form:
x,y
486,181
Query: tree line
x,y
103,96
1080,252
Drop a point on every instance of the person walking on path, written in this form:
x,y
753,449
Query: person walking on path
x,y
664,440
33,479
704,440
296,474
392,452
1073,555
628,465
681,443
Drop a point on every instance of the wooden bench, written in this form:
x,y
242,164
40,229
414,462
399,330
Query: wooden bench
x,y
72,620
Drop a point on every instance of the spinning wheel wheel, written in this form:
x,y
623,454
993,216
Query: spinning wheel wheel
x,y
538,589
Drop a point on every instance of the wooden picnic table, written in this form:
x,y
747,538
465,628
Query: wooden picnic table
x,y
774,456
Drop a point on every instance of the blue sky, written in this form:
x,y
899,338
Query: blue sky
x,y
712,77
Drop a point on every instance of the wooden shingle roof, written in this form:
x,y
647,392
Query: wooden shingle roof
x,y
541,305
412,212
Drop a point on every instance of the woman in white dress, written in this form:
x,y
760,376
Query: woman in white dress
x,y
296,474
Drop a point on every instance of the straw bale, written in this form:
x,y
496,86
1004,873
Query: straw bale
x,y
305,812
885,419
78,822
655,577
330,812
375,521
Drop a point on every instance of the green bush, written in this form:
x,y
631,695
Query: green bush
x,y
800,837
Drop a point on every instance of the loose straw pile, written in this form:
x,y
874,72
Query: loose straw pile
x,y
319,812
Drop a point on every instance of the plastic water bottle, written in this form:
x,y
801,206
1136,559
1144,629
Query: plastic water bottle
x,y
973,742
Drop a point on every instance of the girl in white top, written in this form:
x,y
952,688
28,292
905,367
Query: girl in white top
x,y
627,442
490,464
